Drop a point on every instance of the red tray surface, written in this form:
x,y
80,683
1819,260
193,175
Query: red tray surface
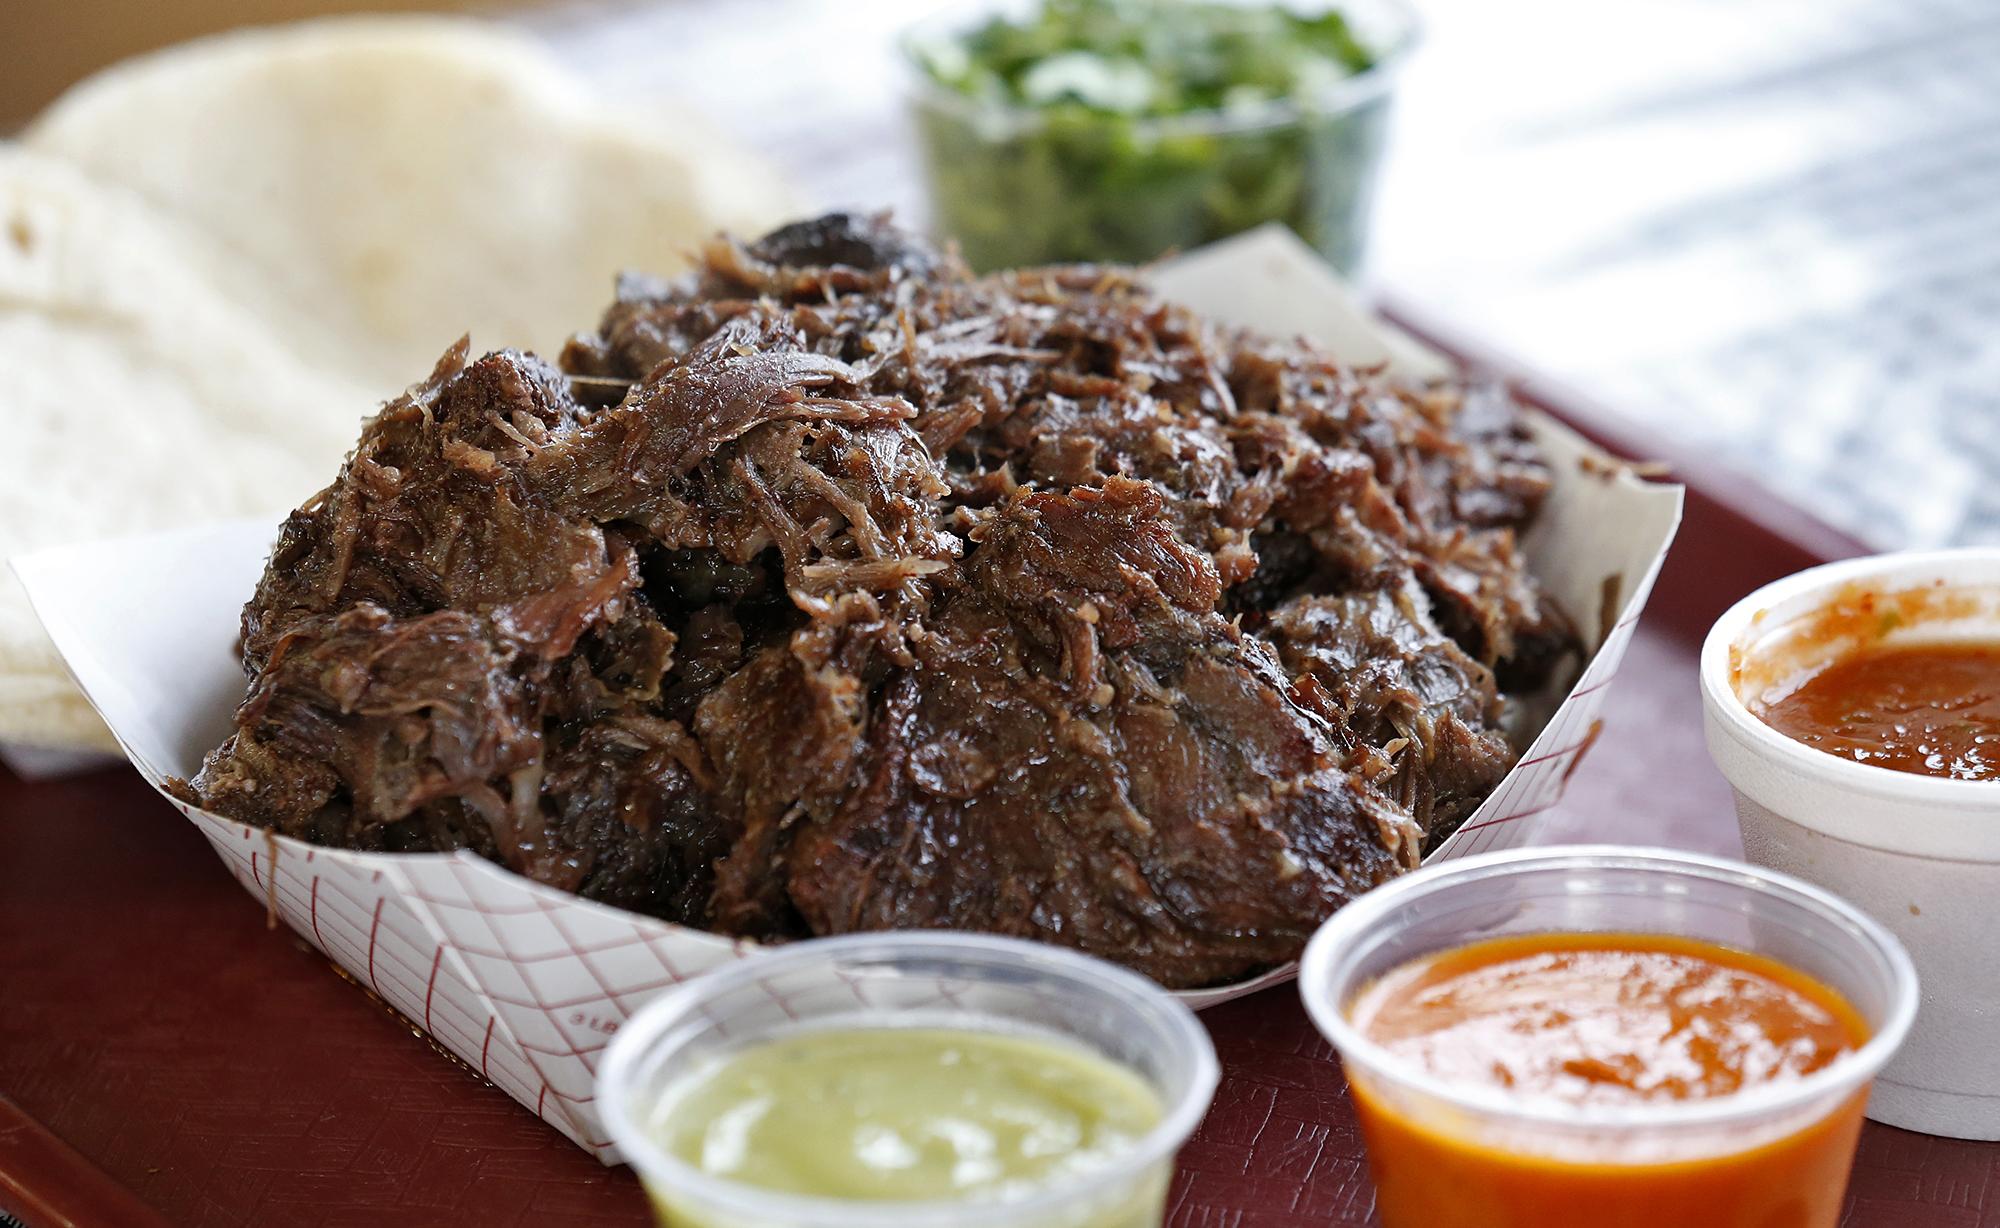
x,y
225,1073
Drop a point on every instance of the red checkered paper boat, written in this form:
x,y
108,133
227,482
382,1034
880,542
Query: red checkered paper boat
x,y
527,983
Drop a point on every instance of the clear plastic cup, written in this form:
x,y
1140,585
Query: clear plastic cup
x,y
1445,1155
913,979
1019,185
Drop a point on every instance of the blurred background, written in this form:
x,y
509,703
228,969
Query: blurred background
x,y
1767,231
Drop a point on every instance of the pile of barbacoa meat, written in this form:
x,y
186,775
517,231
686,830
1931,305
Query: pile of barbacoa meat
x,y
832,589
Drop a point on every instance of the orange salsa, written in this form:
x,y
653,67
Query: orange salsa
x,y
1622,1021
1930,709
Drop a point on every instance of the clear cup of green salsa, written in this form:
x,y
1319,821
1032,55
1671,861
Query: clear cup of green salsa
x,y
1056,131
902,1079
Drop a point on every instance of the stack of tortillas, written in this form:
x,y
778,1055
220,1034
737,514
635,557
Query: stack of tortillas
x,y
215,261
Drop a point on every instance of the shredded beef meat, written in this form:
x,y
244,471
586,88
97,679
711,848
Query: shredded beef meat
x,y
830,588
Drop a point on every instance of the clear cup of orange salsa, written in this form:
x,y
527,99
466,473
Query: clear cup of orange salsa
x,y
1452,1142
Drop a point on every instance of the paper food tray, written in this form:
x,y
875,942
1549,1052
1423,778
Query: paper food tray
x,y
527,983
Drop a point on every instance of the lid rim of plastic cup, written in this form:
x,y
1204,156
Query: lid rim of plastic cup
x,y
1158,1144
1336,100
1839,1077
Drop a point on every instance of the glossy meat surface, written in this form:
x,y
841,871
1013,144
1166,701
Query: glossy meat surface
x,y
830,588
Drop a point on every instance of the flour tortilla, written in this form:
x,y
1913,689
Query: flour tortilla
x,y
393,183
215,261
133,394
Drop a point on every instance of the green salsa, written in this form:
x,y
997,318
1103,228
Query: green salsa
x,y
1117,129
905,1114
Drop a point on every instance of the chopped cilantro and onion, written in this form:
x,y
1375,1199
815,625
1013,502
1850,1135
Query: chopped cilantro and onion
x,y
1118,129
